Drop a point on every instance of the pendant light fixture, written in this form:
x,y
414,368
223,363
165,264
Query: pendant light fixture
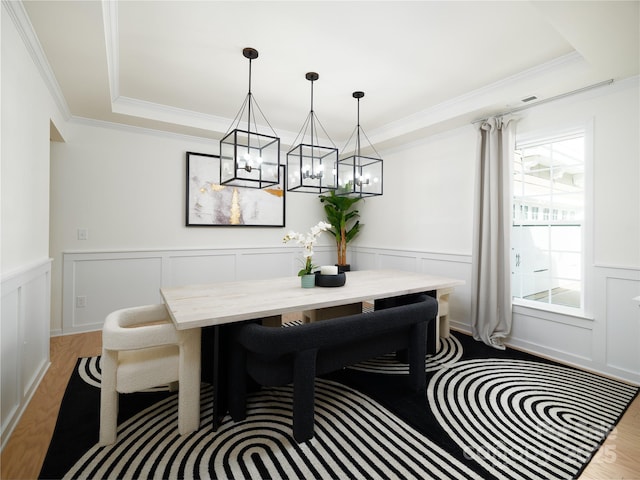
x,y
311,168
359,175
249,158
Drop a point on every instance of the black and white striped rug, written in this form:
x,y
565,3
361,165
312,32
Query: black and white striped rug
x,y
486,414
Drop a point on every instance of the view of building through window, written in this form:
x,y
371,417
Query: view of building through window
x,y
548,213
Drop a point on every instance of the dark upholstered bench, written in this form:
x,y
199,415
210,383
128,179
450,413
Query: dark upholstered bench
x,y
278,356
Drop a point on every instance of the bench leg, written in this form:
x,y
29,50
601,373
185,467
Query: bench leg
x,y
304,374
432,337
417,354
237,394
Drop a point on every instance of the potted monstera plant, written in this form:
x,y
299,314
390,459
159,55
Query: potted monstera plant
x,y
343,217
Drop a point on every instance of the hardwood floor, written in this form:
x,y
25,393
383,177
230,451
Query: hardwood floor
x,y
24,453
619,456
22,458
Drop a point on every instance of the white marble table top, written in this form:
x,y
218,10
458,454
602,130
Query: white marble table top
x,y
194,306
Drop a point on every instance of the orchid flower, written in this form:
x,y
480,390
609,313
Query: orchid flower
x,y
307,242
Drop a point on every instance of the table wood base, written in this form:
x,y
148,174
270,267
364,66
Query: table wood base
x,y
318,314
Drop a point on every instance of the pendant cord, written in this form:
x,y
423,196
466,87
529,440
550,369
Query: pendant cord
x,y
312,120
358,132
249,103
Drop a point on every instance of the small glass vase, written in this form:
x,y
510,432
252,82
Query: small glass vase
x,y
308,281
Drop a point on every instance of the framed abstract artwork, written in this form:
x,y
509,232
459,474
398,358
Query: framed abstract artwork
x,y
210,204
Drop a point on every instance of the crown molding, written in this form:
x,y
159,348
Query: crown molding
x,y
631,82
123,127
471,101
169,114
112,46
183,117
20,18
449,110
150,110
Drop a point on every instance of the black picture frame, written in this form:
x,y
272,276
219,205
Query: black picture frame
x,y
209,204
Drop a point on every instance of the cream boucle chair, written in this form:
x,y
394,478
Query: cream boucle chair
x,y
142,349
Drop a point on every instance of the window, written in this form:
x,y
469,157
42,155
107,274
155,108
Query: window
x,y
548,213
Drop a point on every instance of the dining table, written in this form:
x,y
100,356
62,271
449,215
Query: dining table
x,y
215,306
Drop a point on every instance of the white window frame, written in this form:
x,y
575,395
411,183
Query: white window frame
x,y
587,292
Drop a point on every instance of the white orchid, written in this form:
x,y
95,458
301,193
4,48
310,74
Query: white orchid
x,y
307,241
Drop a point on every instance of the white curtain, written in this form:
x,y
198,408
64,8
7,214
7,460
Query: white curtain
x,y
491,276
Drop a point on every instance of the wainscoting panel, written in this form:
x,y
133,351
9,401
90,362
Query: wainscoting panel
x,y
199,268
398,262
34,326
365,259
24,334
622,319
553,334
608,342
454,266
95,285
10,357
260,265
446,265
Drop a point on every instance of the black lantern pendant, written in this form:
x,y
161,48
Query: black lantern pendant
x,y
311,168
359,175
249,158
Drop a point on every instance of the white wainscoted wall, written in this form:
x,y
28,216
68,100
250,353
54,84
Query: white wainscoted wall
x,y
30,117
97,283
113,183
24,353
607,342
443,264
617,320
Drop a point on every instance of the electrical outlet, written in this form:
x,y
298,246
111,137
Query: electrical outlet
x,y
81,301
83,234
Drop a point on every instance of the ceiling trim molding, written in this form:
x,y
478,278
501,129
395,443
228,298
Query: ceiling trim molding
x,y
616,86
145,109
124,127
18,14
180,116
169,114
112,45
469,102
464,104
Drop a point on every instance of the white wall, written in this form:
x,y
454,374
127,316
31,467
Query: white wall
x,y
431,182
27,110
428,196
428,190
615,112
606,337
424,222
127,187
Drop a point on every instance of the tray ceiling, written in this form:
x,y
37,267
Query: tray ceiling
x,y
424,66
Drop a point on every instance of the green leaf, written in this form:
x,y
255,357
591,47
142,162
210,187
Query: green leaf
x,y
340,213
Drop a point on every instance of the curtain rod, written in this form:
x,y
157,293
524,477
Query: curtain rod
x,y
547,100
